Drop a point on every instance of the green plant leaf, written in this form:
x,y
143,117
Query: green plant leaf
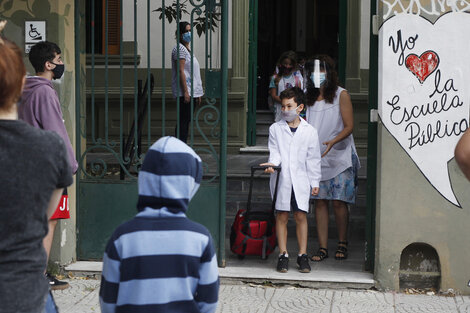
x,y
174,13
169,16
199,29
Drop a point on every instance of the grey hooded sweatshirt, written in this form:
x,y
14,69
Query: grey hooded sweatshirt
x,y
40,107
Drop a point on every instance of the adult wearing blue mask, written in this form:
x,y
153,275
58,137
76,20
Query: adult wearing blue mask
x,y
188,86
330,111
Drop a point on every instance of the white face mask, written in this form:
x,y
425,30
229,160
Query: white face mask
x,y
289,115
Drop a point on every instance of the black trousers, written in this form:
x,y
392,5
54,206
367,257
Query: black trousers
x,y
185,118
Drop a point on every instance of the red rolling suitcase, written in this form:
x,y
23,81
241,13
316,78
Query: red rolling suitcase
x,y
254,232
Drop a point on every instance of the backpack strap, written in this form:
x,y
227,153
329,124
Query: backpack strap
x,y
297,80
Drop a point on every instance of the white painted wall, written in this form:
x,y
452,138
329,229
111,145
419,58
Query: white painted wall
x,y
424,94
170,41
365,31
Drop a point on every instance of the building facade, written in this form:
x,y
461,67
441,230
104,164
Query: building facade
x,y
415,207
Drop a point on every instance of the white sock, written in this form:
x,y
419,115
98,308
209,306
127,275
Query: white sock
x,y
286,255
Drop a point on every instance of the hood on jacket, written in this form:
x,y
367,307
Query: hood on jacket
x,y
33,82
169,177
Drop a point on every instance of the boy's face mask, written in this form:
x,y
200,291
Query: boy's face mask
x,y
289,115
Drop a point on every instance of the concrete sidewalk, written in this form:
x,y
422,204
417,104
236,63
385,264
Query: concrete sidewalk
x,y
83,296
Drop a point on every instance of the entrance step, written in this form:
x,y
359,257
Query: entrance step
x,y
316,279
264,119
329,273
259,271
256,149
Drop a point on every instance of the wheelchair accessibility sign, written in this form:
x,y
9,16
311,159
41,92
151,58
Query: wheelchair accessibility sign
x,y
35,31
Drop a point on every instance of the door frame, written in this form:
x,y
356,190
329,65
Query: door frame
x,y
253,62
372,144
252,73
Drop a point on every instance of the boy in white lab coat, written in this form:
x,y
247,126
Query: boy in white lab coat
x,y
293,144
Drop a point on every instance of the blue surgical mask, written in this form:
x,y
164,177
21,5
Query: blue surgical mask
x,y
322,77
187,37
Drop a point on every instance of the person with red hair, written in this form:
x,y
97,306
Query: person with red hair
x,y
33,172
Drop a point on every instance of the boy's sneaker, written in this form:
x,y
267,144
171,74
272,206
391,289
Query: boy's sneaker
x,y
56,284
302,263
283,263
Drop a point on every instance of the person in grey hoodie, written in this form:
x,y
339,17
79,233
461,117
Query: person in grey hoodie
x,y
40,107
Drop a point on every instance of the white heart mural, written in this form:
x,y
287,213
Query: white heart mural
x,y
424,84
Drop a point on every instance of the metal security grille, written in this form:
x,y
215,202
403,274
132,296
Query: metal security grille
x,y
124,104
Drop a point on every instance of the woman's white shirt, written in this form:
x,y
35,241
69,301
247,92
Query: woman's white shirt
x,y
180,52
327,120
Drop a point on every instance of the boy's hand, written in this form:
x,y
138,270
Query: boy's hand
x,y
315,191
269,169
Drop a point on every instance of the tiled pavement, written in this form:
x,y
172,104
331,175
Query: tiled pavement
x,y
82,297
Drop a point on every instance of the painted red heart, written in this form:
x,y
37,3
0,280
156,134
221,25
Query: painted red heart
x,y
422,66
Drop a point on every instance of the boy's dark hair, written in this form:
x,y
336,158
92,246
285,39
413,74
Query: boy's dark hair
x,y
42,52
293,92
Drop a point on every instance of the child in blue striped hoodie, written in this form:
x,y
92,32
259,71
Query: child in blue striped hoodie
x,y
160,261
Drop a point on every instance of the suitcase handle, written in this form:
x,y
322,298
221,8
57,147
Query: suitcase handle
x,y
255,168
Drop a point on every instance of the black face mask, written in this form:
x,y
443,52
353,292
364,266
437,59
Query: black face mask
x,y
284,70
58,70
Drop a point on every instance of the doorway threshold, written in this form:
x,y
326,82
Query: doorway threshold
x,y
329,273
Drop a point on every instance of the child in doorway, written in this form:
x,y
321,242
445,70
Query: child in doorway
x,y
293,144
285,76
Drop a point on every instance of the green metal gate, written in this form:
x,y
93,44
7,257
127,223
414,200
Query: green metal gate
x,y
124,104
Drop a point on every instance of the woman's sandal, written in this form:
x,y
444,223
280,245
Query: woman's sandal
x,y
342,251
321,254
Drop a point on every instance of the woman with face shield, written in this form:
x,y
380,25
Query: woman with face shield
x,y
330,111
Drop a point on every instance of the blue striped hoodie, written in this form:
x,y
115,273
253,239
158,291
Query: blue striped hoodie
x,y
160,261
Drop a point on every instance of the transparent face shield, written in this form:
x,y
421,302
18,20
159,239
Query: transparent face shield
x,y
318,78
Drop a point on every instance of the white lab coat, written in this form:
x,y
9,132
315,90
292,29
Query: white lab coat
x,y
299,156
